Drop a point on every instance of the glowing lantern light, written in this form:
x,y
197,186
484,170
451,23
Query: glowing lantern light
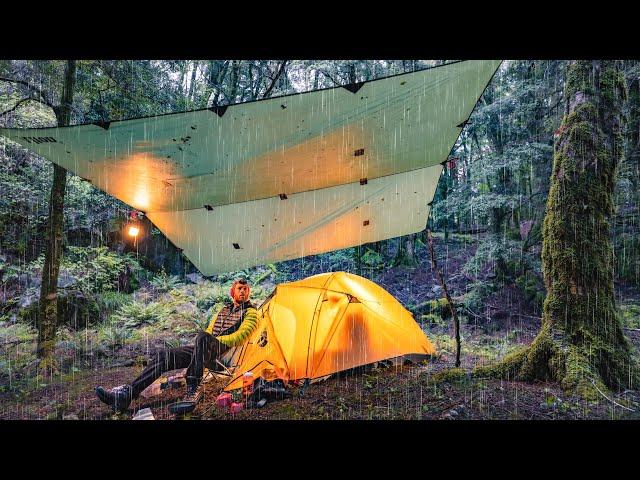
x,y
133,225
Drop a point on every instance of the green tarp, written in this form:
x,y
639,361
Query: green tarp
x,y
284,177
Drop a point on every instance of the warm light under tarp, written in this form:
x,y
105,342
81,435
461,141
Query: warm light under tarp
x,y
283,177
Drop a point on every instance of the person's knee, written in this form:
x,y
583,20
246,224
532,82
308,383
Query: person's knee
x,y
203,337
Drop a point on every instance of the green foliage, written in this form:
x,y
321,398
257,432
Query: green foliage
x,y
172,342
111,301
19,332
503,257
98,268
630,316
201,321
163,282
217,294
476,294
373,261
433,320
9,272
450,375
627,243
135,314
440,306
114,335
270,270
532,289
91,279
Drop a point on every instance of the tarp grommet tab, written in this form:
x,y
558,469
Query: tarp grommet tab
x,y
354,87
103,125
220,111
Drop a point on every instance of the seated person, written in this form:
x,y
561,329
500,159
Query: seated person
x,y
230,327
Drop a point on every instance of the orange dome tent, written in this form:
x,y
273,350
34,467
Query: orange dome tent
x,y
325,324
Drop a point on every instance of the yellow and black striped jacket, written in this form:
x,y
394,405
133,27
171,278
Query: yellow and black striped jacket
x,y
233,324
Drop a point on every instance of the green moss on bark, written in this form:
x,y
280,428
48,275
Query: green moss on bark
x,y
581,342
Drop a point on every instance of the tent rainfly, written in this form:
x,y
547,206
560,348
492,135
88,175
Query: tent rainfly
x,y
280,178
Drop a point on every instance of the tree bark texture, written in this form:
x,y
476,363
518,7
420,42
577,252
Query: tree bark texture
x,y
49,288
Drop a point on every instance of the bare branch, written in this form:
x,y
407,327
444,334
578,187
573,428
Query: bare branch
x,y
326,74
24,100
124,89
275,79
33,88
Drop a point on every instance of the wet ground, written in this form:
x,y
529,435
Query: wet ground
x,y
412,392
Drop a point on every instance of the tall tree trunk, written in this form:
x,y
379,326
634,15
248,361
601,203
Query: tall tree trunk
x,y
216,76
405,254
581,342
183,76
233,82
192,83
49,288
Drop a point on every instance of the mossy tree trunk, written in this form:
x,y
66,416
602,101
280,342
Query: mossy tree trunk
x,y
581,342
49,288
405,255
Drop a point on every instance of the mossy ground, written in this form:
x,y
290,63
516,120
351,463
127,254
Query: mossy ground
x,y
392,393
433,390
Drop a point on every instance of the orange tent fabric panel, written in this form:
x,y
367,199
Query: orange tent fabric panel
x,y
261,355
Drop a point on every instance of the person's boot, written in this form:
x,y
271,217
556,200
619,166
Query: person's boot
x,y
119,397
190,400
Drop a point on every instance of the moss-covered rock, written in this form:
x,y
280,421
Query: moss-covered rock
x,y
450,375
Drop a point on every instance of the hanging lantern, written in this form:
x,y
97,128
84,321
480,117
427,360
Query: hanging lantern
x,y
133,224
